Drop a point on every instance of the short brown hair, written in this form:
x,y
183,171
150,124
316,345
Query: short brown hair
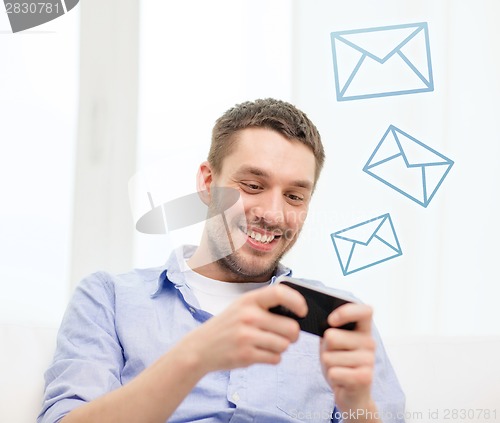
x,y
269,113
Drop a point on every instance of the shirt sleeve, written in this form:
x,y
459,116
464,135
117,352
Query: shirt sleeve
x,y
88,360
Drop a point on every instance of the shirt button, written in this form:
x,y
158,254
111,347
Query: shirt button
x,y
192,310
235,397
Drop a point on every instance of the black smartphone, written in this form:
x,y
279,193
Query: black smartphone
x,y
320,303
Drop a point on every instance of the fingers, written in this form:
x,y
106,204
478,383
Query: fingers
x,y
343,340
280,325
255,346
247,332
281,295
352,312
262,340
348,357
263,320
351,378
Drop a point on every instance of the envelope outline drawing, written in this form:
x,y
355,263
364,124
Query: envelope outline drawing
x,y
361,244
434,159
423,81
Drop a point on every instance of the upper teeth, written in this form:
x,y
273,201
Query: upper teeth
x,y
266,239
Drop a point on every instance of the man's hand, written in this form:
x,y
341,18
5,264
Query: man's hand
x,y
246,332
348,358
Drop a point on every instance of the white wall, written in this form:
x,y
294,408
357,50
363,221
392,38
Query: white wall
x,y
446,281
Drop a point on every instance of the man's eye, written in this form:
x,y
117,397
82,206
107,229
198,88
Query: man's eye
x,y
251,187
295,198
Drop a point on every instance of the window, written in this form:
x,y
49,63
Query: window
x,y
38,109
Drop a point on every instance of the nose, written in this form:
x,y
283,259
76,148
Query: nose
x,y
270,208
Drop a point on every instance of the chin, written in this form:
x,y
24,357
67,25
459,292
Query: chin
x,y
248,269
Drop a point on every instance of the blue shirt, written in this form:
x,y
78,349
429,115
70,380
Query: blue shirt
x,y
116,326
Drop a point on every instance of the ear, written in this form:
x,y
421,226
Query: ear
x,y
204,180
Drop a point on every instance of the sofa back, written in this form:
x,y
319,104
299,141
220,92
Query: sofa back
x,y
438,374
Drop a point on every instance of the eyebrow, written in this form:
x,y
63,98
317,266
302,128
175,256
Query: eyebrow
x,y
300,183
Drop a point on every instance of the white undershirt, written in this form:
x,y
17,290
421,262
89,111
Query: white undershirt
x,y
213,295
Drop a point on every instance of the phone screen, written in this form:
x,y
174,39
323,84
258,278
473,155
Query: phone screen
x,y
319,305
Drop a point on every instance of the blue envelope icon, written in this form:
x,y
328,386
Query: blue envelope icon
x,y
366,244
408,166
382,61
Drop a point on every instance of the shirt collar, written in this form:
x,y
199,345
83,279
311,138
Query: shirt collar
x,y
174,268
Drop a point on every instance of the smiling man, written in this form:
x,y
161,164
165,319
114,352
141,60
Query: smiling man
x,y
193,340
276,185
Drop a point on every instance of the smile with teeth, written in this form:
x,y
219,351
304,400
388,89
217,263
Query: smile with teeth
x,y
262,238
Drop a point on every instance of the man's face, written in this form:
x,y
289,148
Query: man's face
x,y
275,178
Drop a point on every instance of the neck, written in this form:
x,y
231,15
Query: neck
x,y
218,272
202,262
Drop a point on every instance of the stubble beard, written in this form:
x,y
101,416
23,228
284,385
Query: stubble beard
x,y
232,261
244,271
